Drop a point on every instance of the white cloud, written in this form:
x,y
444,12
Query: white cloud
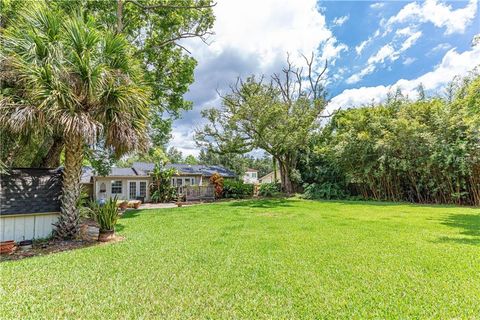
x,y
362,46
340,20
440,47
452,64
359,76
410,41
409,60
385,52
274,28
377,5
365,43
439,14
331,49
248,42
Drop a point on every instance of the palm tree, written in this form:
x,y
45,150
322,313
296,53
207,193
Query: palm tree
x,y
80,81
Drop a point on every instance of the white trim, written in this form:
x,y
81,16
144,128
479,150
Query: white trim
x,y
137,189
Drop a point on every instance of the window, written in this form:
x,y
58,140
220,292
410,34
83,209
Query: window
x,y
254,175
143,188
116,187
103,187
132,193
179,182
187,181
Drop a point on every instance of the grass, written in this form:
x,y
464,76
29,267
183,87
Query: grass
x,y
263,259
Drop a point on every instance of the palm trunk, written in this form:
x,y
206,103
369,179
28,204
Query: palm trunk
x,y
52,158
67,225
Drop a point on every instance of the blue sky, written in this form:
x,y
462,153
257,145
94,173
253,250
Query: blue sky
x,y
372,48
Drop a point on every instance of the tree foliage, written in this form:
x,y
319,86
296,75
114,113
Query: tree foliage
x,y
78,81
238,163
276,117
425,151
154,29
161,189
217,181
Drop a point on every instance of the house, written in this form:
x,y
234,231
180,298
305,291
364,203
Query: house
x,y
29,203
269,178
250,176
133,183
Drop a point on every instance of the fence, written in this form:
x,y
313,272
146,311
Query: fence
x,y
196,193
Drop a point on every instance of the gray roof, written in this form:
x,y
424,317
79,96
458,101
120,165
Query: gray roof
x,y
123,172
27,190
197,169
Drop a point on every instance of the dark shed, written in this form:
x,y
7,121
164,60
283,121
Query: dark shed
x,y
29,190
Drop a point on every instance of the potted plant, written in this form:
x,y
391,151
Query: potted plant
x,y
106,216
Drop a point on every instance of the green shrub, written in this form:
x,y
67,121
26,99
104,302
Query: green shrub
x,y
326,190
269,189
106,215
161,189
237,189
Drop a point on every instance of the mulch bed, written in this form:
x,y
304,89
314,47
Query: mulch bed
x,y
41,248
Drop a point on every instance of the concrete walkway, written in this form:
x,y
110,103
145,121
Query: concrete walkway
x,y
157,205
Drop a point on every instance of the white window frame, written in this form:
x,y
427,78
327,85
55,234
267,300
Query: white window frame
x,y
140,189
111,187
137,188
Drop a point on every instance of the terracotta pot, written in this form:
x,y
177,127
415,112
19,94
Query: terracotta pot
x,y
106,235
7,247
179,204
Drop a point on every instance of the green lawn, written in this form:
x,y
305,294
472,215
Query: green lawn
x,y
263,259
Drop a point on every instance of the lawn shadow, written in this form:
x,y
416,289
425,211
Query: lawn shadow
x,y
469,225
263,203
128,214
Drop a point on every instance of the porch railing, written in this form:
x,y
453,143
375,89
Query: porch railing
x,y
196,193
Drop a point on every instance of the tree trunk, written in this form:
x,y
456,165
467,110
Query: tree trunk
x,y
285,179
119,16
67,225
52,159
275,178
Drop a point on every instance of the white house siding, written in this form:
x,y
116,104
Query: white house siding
x,y
269,178
125,185
194,180
27,226
250,177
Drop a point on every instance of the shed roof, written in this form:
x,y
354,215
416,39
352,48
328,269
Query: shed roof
x,y
28,190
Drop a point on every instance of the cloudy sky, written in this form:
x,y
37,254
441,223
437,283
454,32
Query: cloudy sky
x,y
371,48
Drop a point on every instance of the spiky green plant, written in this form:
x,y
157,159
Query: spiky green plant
x,y
79,80
106,215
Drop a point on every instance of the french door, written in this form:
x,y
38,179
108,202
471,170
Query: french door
x,y
137,189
